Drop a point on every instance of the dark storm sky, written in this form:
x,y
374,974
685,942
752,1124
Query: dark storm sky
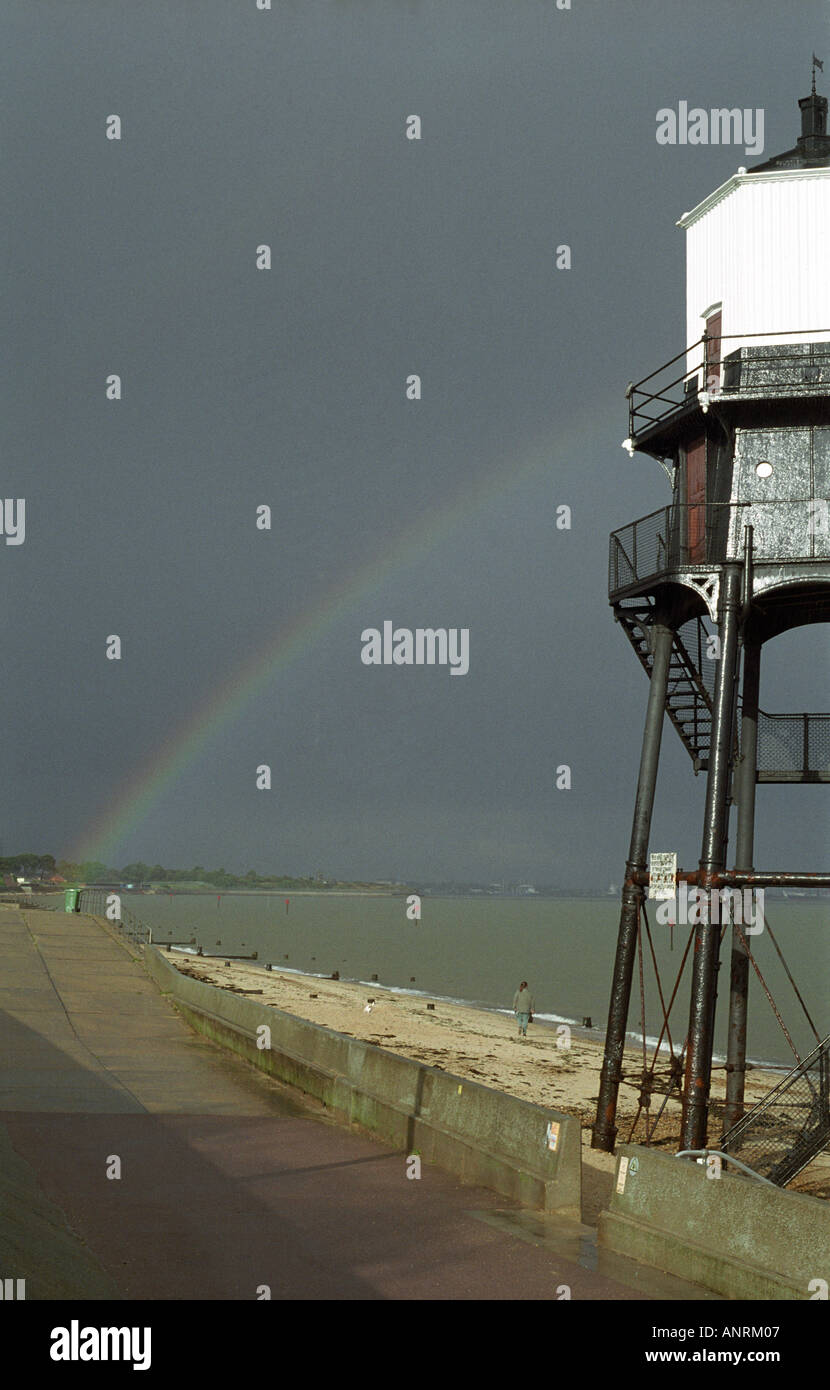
x,y
286,387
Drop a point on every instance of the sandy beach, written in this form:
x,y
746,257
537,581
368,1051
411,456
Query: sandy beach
x,y
550,1067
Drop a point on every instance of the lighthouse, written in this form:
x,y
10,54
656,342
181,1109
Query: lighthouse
x,y
739,420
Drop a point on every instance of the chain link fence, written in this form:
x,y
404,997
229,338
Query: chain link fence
x,y
787,1129
689,534
641,549
794,743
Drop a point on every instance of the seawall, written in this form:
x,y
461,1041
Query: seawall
x,y
739,1237
483,1136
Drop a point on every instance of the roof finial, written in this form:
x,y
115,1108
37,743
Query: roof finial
x,y
817,63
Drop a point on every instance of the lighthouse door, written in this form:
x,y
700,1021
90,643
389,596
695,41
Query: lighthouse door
x,y
713,332
696,497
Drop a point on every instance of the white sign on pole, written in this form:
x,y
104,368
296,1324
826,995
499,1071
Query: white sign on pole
x,y
662,876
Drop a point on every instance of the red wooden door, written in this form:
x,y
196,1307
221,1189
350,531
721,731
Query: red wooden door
x,y
696,497
713,332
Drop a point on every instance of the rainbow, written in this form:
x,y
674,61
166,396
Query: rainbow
x,y
135,799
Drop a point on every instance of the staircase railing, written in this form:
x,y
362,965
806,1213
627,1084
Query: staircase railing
x,y
787,1129
691,678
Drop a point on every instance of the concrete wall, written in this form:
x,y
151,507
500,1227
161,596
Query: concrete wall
x,y
731,1234
481,1135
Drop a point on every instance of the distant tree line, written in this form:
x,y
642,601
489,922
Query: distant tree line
x,y
44,866
28,865
218,878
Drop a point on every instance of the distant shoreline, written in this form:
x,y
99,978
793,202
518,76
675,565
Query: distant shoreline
x,y
12,894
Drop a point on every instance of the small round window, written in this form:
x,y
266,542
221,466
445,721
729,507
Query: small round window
x,y
763,469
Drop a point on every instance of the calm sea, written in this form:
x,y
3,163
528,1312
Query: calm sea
x,y
477,950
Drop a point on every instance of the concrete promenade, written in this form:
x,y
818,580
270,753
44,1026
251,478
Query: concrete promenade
x,y
228,1181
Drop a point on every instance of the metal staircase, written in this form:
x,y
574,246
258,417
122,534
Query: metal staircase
x,y
691,676
787,1129
791,747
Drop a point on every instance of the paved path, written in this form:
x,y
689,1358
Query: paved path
x,y
228,1182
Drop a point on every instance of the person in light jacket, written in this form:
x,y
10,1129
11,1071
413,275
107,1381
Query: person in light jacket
x,y
523,1007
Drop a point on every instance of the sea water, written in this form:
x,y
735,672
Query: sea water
x,y
478,949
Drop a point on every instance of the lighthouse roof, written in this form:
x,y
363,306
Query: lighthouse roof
x,y
810,156
755,176
812,150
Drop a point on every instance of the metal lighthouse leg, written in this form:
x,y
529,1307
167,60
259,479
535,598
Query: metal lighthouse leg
x,y
745,780
712,862
605,1129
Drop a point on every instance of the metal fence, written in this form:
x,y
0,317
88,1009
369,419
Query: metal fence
x,y
745,370
790,744
782,1133
99,902
685,534
671,538
641,549
38,900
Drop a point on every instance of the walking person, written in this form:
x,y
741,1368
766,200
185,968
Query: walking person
x,y
523,1007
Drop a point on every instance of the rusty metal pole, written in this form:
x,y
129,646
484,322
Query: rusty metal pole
x,y
712,861
745,782
604,1131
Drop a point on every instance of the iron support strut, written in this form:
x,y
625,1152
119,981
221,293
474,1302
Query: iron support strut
x,y
605,1130
712,861
746,878
745,782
